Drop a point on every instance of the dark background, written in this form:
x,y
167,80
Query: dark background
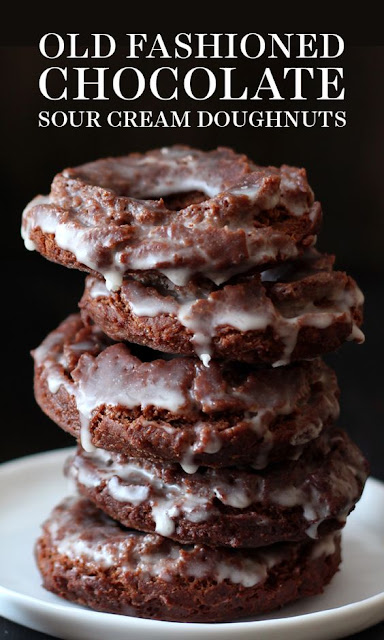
x,y
345,168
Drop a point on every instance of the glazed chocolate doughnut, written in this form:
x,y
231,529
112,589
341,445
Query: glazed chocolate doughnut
x,y
296,310
287,502
87,558
176,210
178,409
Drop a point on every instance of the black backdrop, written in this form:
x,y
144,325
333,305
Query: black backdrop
x,y
345,169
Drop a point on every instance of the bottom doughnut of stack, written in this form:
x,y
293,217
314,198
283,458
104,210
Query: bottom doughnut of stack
x,y
88,558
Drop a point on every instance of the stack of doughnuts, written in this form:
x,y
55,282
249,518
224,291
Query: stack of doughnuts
x,y
212,482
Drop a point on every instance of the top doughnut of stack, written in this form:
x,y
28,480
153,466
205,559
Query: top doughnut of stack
x,y
189,244
177,210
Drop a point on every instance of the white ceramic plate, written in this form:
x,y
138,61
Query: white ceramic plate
x,y
31,486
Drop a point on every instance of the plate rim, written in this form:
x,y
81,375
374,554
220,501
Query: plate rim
x,y
368,606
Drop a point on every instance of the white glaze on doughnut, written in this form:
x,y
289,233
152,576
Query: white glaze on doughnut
x,y
326,546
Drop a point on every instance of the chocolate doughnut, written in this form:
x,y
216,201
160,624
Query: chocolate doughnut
x,y
87,558
111,396
176,210
287,502
293,311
